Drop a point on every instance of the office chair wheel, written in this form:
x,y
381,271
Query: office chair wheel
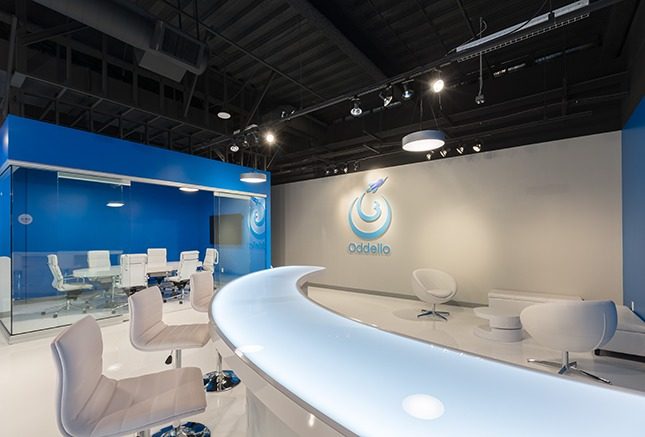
x,y
55,315
84,310
188,429
42,313
181,302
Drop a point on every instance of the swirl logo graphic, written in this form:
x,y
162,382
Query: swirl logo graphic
x,y
375,222
257,216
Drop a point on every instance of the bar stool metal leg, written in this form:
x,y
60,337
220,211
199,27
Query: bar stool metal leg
x,y
220,380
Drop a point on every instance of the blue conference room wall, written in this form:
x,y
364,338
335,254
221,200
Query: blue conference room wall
x,y
633,139
70,217
44,143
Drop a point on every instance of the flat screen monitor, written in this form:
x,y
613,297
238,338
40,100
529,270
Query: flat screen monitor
x,y
226,229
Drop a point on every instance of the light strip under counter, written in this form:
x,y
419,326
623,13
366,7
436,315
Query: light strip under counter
x,y
361,380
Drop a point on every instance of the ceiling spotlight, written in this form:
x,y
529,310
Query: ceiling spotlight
x,y
423,141
437,85
408,92
224,115
460,150
386,95
429,155
269,137
477,147
189,189
234,148
356,164
444,152
345,169
356,107
327,171
335,170
479,99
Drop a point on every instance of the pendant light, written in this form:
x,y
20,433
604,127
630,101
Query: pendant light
x,y
423,140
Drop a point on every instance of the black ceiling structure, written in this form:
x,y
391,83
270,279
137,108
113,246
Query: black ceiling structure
x,y
293,67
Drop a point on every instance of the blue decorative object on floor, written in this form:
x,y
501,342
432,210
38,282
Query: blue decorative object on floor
x,y
188,429
225,382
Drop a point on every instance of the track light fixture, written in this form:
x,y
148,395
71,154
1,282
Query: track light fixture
x,y
460,150
356,107
386,95
269,137
408,92
335,170
477,147
327,171
444,152
437,83
429,155
224,115
356,165
345,168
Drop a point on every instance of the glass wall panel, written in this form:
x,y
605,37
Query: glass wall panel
x,y
240,236
5,249
62,237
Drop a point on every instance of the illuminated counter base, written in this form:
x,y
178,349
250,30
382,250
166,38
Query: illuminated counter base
x,y
312,372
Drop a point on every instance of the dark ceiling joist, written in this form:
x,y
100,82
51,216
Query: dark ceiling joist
x,y
322,23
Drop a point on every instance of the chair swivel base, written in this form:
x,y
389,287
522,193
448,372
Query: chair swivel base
x,y
432,313
65,308
214,382
568,367
188,429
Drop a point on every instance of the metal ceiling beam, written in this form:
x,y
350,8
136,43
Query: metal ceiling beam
x,y
250,54
52,32
258,102
449,59
318,20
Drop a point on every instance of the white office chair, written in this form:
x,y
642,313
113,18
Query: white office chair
x,y
211,259
157,263
97,259
433,286
148,332
90,404
132,275
71,289
579,326
201,294
188,264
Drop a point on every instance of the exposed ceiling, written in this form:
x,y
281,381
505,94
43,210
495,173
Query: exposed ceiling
x,y
273,60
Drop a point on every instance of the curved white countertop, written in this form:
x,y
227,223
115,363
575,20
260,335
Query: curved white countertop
x,y
365,381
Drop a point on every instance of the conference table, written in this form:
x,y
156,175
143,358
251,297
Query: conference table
x,y
311,371
114,271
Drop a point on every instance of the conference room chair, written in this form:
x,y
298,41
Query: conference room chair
x,y
148,332
434,287
89,403
573,326
201,294
132,276
100,260
188,264
211,259
157,263
70,288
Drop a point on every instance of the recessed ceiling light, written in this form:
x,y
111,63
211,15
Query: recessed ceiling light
x,y
115,204
423,141
234,148
224,115
189,189
253,177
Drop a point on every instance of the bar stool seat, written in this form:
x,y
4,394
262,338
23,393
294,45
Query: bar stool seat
x,y
163,337
91,404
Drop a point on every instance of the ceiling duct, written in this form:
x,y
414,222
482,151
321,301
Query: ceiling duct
x,y
159,46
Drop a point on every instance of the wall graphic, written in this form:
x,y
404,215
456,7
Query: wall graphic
x,y
370,221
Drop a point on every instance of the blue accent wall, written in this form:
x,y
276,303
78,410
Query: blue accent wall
x,y
45,143
633,139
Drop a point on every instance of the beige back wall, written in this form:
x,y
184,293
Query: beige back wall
x,y
544,217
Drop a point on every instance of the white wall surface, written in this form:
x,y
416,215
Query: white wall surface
x,y
544,217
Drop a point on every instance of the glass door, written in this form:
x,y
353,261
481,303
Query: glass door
x,y
239,235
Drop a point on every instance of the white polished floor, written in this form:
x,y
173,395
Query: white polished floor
x,y
27,375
